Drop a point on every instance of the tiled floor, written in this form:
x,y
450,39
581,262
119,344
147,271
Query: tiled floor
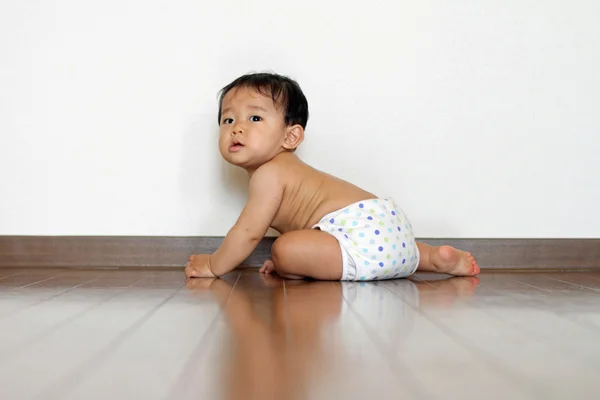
x,y
152,335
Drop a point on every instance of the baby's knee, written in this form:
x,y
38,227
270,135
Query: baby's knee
x,y
280,252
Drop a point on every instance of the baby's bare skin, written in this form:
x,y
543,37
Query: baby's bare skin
x,y
290,196
310,194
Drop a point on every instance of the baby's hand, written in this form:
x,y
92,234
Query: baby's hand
x,y
199,267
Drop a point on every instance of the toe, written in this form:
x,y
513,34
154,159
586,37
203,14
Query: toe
x,y
265,267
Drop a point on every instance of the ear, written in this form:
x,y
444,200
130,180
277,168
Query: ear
x,y
294,135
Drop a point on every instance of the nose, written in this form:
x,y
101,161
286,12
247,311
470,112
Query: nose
x,y
237,128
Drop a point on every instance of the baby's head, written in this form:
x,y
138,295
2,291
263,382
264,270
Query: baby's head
x,y
260,116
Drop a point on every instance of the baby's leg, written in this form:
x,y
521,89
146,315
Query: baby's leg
x,y
306,253
447,260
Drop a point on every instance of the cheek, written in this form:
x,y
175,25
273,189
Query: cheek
x,y
222,138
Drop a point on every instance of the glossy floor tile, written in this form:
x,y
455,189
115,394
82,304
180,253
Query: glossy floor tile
x,y
94,334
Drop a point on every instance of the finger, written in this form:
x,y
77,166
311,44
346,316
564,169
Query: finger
x,y
191,273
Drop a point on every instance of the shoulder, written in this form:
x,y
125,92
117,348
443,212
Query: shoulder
x,y
278,168
267,171
269,177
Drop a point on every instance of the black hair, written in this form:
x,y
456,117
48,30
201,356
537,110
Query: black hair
x,y
285,92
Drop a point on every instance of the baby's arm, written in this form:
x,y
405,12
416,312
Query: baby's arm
x,y
264,197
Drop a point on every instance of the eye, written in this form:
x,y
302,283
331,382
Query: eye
x,y
227,121
255,118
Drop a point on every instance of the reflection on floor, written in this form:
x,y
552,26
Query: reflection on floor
x,y
76,334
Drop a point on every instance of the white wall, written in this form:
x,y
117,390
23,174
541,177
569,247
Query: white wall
x,y
480,117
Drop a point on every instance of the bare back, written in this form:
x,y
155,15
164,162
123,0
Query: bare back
x,y
310,194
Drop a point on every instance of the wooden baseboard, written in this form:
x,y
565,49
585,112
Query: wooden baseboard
x,y
172,252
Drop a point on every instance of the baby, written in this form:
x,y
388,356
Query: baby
x,y
330,229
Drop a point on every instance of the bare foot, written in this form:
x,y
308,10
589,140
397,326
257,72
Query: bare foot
x,y
448,260
267,268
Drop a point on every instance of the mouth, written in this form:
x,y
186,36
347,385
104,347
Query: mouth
x,y
235,146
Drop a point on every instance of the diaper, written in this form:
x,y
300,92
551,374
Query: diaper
x,y
376,240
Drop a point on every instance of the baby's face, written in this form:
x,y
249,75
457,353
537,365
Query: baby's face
x,y
252,128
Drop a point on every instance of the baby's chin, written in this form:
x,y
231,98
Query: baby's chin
x,y
232,158
242,162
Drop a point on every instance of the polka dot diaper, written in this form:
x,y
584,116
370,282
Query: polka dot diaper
x,y
376,240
